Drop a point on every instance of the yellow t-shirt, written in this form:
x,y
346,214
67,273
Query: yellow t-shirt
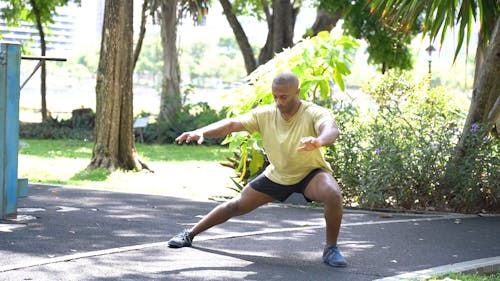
x,y
281,138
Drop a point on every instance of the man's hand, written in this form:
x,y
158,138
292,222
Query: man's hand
x,y
190,136
309,143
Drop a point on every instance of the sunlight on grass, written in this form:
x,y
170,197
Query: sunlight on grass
x,y
466,277
91,175
179,153
156,152
182,171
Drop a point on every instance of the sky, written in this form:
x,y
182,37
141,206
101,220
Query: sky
x,y
216,24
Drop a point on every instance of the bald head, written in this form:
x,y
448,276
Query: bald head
x,y
286,78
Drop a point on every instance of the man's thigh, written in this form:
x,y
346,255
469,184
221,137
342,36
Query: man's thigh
x,y
321,185
249,199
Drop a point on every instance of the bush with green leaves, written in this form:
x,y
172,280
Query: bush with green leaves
x,y
80,126
53,131
396,155
474,179
189,117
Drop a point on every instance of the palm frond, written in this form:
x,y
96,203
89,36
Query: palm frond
x,y
440,16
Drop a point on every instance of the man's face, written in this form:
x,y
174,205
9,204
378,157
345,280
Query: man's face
x,y
286,97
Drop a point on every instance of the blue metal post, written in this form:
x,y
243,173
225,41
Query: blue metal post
x,y
10,63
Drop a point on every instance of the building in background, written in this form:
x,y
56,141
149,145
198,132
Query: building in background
x,y
73,25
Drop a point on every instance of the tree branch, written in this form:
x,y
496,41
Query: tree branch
x,y
142,32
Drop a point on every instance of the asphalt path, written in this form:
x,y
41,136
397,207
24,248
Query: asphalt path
x,y
64,233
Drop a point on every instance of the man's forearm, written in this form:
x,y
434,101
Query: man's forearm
x,y
220,128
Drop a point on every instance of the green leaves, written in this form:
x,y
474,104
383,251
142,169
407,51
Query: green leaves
x,y
18,10
440,15
319,62
388,40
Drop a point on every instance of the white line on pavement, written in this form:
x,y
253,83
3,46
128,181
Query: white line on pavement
x,y
66,258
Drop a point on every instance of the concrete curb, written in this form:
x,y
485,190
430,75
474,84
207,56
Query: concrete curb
x,y
480,266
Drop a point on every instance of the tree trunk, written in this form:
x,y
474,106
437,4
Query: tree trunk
x,y
486,89
281,25
43,48
480,52
114,146
324,22
280,29
241,37
266,53
170,101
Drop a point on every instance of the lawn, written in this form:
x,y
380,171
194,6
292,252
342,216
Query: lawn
x,y
466,277
190,171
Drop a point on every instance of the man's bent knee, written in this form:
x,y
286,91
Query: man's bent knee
x,y
333,196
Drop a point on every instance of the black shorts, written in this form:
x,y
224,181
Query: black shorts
x,y
282,192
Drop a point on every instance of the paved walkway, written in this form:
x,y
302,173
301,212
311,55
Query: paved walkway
x,y
80,234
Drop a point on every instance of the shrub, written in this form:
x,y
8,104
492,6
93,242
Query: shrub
x,y
473,180
188,118
397,155
80,126
83,118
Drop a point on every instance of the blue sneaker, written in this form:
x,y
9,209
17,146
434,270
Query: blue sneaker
x,y
183,239
332,257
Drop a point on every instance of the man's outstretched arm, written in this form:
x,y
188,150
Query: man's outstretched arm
x,y
215,130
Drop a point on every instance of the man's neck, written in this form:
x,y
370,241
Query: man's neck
x,y
289,115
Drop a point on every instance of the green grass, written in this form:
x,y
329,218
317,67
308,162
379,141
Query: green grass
x,y
467,277
76,149
179,170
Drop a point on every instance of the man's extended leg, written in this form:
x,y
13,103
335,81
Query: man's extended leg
x,y
248,200
323,188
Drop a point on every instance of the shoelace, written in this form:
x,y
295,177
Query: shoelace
x,y
331,251
185,235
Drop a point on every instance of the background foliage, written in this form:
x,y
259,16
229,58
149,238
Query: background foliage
x,y
395,155
394,151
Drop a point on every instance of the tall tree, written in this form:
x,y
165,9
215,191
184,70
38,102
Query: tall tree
x,y
280,17
388,45
40,13
240,35
387,48
114,145
170,89
169,13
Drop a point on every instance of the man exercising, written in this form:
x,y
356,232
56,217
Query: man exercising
x,y
293,132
